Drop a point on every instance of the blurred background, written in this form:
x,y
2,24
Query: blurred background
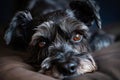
x,y
110,10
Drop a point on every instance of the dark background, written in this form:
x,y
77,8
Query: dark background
x,y
110,10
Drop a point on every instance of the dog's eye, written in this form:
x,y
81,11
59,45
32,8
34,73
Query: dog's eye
x,y
77,38
42,44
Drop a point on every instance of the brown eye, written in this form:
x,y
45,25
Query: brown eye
x,y
77,38
42,44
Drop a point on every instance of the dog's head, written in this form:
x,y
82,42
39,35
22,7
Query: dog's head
x,y
63,47
58,40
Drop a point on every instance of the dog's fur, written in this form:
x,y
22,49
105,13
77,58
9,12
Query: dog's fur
x,y
58,35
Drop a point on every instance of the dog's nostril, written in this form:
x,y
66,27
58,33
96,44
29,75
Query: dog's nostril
x,y
70,68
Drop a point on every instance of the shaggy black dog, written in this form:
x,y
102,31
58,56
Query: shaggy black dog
x,y
58,35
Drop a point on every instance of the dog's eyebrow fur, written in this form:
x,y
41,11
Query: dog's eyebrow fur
x,y
43,30
69,25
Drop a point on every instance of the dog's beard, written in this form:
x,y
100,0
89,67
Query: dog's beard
x,y
86,64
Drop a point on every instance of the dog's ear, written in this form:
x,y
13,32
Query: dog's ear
x,y
16,32
86,11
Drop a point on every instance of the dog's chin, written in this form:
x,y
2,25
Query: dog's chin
x,y
86,65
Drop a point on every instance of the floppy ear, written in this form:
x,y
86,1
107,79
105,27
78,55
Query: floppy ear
x,y
18,28
86,11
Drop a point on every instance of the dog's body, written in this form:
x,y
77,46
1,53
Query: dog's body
x,y
58,35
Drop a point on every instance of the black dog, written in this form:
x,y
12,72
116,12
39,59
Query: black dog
x,y
57,32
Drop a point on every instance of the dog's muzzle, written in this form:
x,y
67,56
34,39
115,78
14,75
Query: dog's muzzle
x,y
68,65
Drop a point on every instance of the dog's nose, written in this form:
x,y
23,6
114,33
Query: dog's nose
x,y
69,68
